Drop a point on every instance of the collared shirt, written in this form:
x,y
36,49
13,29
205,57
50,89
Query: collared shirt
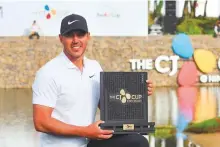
x,y
35,28
73,94
217,29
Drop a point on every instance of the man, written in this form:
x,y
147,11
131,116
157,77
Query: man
x,y
66,96
34,30
217,29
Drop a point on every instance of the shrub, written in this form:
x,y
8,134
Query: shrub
x,y
193,26
190,27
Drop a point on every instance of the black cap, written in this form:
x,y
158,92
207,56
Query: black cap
x,y
73,22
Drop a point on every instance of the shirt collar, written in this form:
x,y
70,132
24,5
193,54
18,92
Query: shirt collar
x,y
69,64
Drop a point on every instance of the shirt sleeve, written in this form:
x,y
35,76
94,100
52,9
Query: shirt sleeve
x,y
99,67
44,90
216,29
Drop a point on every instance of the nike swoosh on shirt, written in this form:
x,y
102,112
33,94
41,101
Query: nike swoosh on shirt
x,y
70,22
91,76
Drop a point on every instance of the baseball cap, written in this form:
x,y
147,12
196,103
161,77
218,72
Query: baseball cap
x,y
73,22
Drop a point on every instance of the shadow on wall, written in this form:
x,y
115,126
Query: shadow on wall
x,y
26,32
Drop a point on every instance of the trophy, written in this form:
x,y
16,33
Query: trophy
x,y
124,102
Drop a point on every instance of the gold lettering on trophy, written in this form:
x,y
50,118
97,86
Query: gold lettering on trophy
x,y
123,100
122,92
126,97
136,97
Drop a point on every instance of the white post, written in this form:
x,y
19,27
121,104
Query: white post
x,y
151,106
174,107
180,142
162,107
163,143
217,93
152,141
218,106
202,101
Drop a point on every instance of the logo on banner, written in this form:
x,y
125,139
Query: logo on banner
x,y
108,12
49,12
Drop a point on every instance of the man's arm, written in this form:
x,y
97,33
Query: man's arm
x,y
45,94
43,122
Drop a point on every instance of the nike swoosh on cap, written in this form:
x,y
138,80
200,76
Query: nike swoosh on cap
x,y
70,22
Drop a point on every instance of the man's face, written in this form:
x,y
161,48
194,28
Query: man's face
x,y
75,43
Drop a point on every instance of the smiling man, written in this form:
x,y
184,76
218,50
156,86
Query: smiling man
x,y
66,96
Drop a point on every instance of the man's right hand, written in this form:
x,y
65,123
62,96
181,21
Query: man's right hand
x,y
93,131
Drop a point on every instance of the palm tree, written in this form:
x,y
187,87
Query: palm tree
x,y
205,9
185,9
193,5
157,8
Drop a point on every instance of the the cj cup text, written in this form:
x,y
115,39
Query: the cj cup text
x,y
127,98
171,70
132,97
147,64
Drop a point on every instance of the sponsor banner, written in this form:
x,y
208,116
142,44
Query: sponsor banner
x,y
105,18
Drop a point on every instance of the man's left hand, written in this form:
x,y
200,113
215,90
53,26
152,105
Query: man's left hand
x,y
149,87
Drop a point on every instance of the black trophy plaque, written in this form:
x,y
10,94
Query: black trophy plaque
x,y
124,102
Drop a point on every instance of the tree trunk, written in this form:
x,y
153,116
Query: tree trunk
x,y
193,5
155,6
205,8
186,10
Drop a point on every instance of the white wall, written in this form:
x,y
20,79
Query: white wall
x,y
132,21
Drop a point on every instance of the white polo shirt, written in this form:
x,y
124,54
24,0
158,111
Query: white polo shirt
x,y
73,94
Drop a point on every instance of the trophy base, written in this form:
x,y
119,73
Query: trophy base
x,y
143,128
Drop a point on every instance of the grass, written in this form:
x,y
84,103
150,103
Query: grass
x,y
164,132
207,126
